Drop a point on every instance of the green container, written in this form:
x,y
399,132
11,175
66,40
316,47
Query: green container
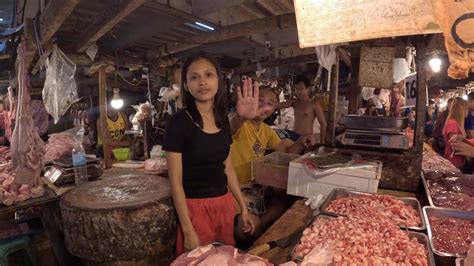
x,y
121,154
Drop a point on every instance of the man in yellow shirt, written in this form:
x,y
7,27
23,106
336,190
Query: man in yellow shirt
x,y
251,139
117,123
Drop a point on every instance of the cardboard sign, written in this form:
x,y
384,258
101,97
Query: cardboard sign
x,y
329,22
410,90
457,20
376,67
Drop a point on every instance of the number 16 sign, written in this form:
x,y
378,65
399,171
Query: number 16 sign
x,y
411,90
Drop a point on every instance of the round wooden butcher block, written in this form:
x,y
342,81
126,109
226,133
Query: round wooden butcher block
x,y
128,191
127,218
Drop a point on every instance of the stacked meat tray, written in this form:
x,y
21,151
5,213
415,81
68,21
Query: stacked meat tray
x,y
368,229
450,218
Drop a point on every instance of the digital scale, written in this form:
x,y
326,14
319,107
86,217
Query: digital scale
x,y
374,139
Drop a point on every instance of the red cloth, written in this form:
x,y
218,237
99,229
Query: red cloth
x,y
212,219
452,127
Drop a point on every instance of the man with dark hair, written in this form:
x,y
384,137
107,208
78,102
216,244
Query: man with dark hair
x,y
306,110
469,123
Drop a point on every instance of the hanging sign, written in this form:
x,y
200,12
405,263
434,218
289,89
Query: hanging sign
x,y
411,91
330,22
376,67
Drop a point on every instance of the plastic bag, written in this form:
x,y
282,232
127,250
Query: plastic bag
x,y
59,90
315,172
320,255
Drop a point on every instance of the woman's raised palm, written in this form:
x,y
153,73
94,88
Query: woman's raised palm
x,y
247,100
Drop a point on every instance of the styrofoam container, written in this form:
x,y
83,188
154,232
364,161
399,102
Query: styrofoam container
x,y
302,183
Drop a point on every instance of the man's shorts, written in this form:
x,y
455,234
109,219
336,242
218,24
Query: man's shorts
x,y
287,134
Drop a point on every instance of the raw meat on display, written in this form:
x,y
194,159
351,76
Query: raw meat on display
x,y
216,256
451,189
433,161
360,241
27,148
40,116
9,115
377,207
10,192
59,145
5,154
451,235
156,165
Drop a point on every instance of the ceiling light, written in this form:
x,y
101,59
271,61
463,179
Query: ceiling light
x,y
116,102
435,64
204,25
464,97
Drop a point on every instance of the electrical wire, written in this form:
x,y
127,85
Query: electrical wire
x,y
130,83
38,42
149,98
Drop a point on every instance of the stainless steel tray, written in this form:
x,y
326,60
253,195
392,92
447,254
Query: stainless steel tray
x,y
442,212
422,239
338,193
427,189
377,123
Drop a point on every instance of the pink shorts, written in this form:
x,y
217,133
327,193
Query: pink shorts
x,y
212,219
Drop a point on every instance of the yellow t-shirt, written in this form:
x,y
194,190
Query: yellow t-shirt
x,y
116,129
248,145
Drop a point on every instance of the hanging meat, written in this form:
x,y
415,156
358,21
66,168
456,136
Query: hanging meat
x,y
27,148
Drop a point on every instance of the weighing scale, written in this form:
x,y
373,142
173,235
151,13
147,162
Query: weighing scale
x,y
374,139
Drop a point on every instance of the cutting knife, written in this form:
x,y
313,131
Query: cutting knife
x,y
282,243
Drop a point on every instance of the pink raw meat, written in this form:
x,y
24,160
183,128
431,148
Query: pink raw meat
x,y
59,145
222,255
26,145
217,259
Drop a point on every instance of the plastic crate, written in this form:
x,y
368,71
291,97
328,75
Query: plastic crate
x,y
272,169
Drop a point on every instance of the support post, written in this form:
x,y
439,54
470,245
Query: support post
x,y
355,89
103,117
420,96
332,109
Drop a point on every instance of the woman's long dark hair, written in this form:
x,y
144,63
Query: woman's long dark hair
x,y
220,100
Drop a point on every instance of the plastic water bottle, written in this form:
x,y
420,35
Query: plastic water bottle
x,y
79,163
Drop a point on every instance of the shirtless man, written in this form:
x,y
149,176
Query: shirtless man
x,y
306,110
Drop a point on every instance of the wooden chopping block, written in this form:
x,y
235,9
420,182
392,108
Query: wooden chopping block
x,y
120,219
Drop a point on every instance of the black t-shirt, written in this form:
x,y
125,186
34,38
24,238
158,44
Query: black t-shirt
x,y
203,155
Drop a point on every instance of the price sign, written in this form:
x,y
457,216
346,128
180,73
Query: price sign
x,y
410,90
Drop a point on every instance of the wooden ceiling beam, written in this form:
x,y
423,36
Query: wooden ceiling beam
x,y
203,7
279,62
106,22
51,19
234,31
54,16
288,4
249,12
170,11
268,8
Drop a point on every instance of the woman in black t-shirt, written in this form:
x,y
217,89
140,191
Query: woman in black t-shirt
x,y
197,142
